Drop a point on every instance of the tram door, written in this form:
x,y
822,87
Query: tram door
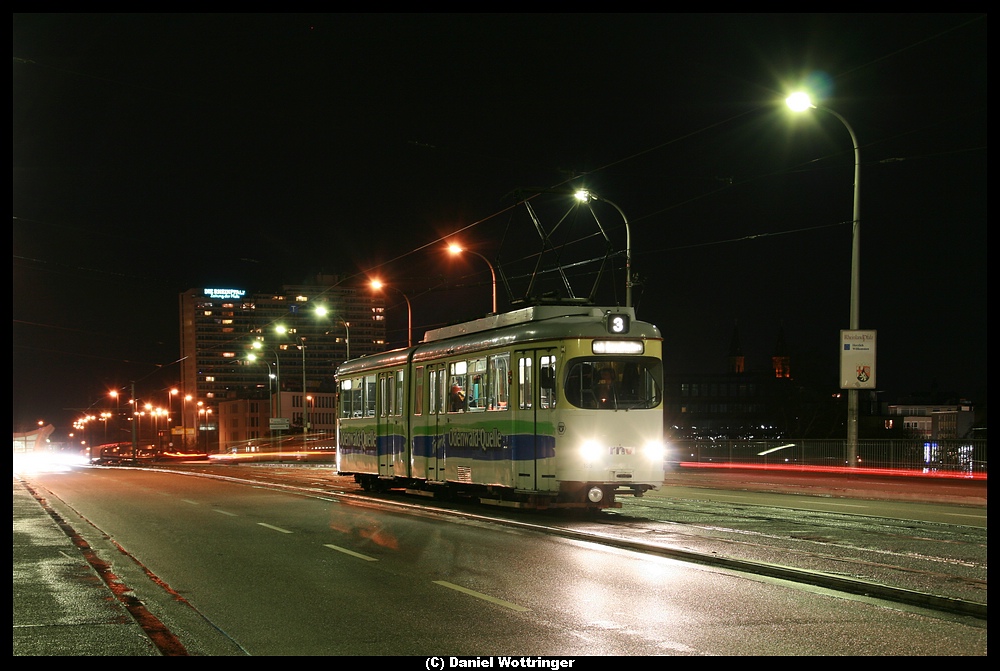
x,y
433,450
390,432
534,419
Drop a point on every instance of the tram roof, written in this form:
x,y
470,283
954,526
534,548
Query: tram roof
x,y
526,315
515,327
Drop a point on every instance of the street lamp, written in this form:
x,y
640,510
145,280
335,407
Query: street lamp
x,y
305,408
196,411
117,427
162,412
321,311
170,411
347,337
456,249
152,428
377,285
800,102
184,401
585,196
277,370
135,421
105,416
205,416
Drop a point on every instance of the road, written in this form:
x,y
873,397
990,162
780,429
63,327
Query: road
x,y
233,568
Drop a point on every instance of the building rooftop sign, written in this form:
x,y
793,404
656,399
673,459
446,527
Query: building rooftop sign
x,y
224,294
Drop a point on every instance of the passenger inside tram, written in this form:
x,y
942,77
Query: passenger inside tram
x,y
457,398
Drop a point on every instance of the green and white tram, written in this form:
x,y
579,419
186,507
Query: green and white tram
x,y
547,406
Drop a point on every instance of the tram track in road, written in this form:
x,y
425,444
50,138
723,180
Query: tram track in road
x,y
810,556
951,546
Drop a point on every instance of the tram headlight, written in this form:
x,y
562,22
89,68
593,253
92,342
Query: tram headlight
x,y
590,450
654,451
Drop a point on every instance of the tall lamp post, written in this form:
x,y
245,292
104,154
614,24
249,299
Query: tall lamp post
x,y
152,422
205,416
170,411
347,337
305,408
184,401
800,102
322,311
277,372
456,249
305,405
377,285
105,416
586,196
117,425
135,420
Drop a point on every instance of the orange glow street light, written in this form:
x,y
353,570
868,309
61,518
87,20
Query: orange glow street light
x,y
377,285
456,249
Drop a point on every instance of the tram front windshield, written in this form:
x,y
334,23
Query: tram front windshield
x,y
614,383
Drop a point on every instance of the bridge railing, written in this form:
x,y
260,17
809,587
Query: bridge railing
x,y
944,456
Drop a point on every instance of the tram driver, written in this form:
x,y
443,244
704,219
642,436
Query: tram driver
x,y
605,388
457,398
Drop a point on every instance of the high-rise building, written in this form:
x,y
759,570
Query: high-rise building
x,y
295,347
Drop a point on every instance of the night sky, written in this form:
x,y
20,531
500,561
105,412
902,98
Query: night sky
x,y
157,153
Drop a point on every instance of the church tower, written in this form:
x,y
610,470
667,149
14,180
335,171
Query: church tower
x,y
737,363
780,361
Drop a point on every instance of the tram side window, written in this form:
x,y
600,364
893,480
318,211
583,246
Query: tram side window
x,y
476,396
370,391
345,398
438,392
524,383
400,381
547,381
357,398
457,386
498,376
418,391
433,396
384,396
351,404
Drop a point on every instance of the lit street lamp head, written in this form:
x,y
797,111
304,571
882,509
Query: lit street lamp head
x,y
799,102
456,249
378,285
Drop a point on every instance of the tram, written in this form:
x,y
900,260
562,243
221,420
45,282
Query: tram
x,y
546,406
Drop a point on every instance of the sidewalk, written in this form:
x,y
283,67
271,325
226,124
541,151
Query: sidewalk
x,y
62,606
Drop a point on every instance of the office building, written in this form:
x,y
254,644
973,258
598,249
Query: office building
x,y
241,344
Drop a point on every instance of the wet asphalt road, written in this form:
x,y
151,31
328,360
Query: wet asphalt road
x,y
66,605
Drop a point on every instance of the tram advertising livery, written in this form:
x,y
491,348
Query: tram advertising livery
x,y
543,407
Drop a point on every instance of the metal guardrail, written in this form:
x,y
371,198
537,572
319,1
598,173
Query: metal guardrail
x,y
953,456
